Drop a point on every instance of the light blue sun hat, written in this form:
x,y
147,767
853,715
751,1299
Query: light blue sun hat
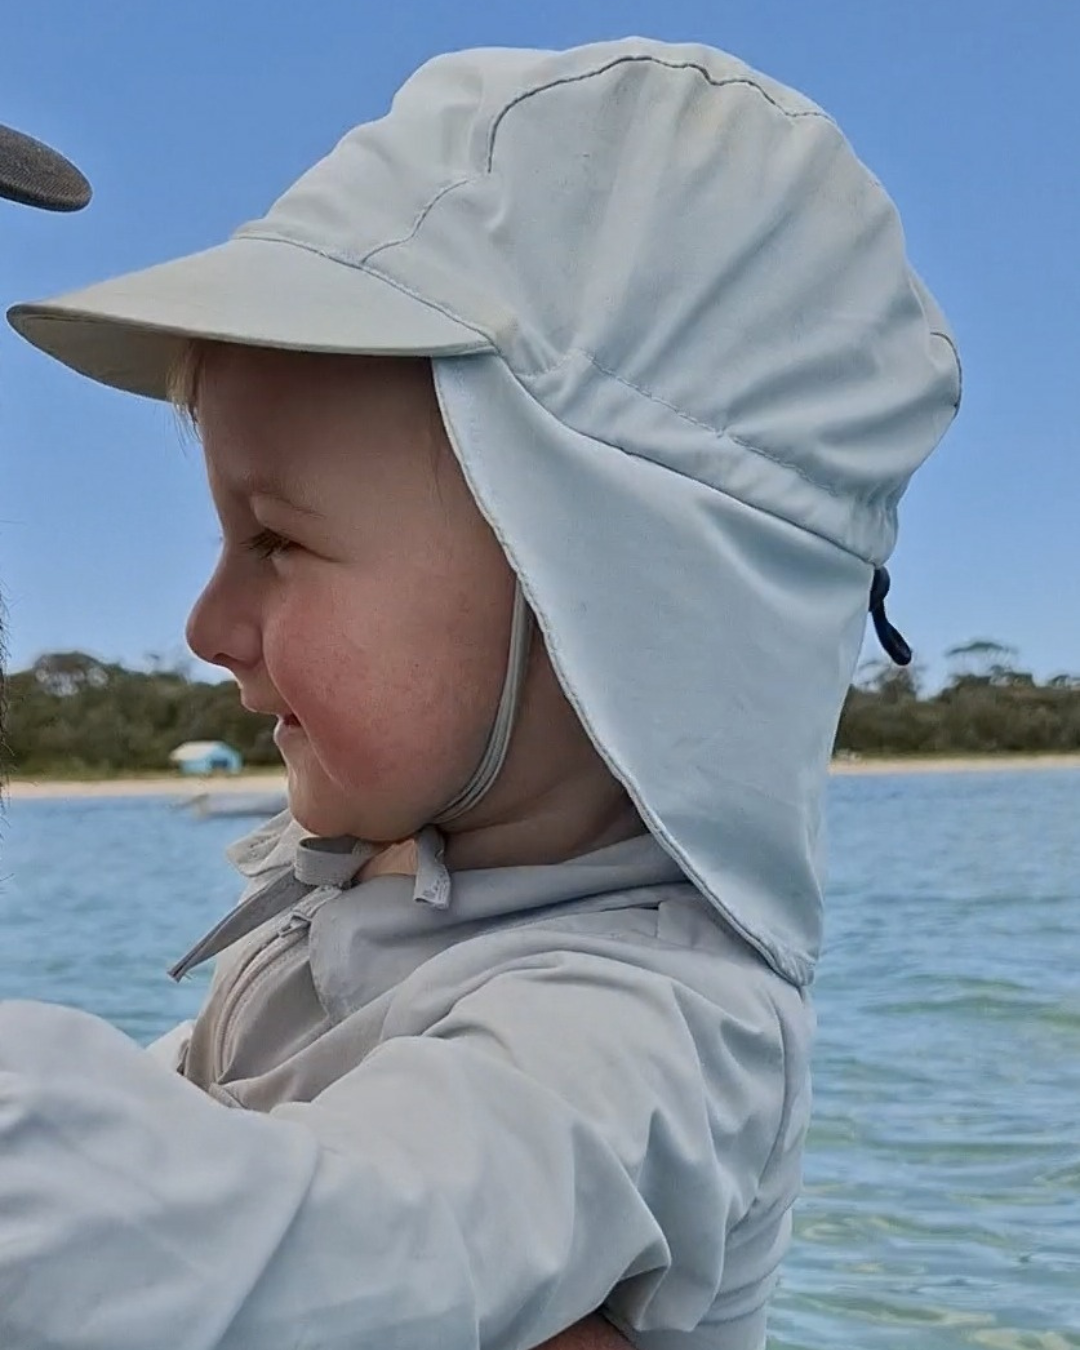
x,y
687,370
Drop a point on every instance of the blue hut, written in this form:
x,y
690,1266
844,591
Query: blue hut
x,y
202,758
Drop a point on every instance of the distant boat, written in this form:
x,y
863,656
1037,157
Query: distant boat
x,y
205,805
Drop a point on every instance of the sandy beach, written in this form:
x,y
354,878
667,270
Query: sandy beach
x,y
955,764
173,786
167,785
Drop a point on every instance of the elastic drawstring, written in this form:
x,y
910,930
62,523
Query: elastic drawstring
x,y
491,762
433,883
892,641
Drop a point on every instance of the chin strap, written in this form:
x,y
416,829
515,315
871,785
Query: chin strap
x,y
494,756
432,886
893,642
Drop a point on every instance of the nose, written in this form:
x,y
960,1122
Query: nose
x,y
222,627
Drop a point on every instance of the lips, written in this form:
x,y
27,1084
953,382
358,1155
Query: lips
x,y
286,722
286,726
284,718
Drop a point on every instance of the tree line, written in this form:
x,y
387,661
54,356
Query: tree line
x,y
71,714
987,706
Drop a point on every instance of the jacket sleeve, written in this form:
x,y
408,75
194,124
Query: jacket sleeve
x,y
484,1183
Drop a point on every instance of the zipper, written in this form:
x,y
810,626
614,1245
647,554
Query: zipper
x,y
256,970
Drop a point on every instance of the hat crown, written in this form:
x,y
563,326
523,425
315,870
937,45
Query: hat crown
x,y
645,228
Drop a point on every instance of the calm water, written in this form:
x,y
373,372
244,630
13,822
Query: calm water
x,y
943,1179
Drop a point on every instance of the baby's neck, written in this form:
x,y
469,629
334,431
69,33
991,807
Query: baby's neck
x,y
542,837
395,860
514,844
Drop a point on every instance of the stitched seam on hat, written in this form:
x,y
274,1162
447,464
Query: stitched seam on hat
x,y
362,265
393,243
869,558
947,339
872,498
721,433
745,501
654,60
445,310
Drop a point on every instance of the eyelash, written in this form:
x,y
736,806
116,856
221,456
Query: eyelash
x,y
267,544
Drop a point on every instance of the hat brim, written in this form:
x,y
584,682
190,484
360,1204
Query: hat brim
x,y
129,332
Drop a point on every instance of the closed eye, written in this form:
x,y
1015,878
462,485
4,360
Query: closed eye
x,y
268,544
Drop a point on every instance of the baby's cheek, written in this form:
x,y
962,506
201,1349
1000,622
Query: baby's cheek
x,y
383,711
368,728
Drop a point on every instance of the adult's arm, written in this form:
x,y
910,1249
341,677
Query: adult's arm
x,y
476,1185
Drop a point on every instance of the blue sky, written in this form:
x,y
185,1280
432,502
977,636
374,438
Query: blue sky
x,y
191,118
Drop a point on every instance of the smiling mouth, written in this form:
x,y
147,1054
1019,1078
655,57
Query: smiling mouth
x,y
286,724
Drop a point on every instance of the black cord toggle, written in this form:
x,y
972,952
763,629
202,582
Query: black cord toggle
x,y
892,641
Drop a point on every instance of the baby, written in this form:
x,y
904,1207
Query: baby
x,y
556,423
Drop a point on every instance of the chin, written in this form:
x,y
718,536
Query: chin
x,y
325,811
323,819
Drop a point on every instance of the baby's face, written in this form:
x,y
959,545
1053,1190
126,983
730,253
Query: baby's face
x,y
360,596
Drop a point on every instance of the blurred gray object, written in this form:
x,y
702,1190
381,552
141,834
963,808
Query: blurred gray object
x,y
36,175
